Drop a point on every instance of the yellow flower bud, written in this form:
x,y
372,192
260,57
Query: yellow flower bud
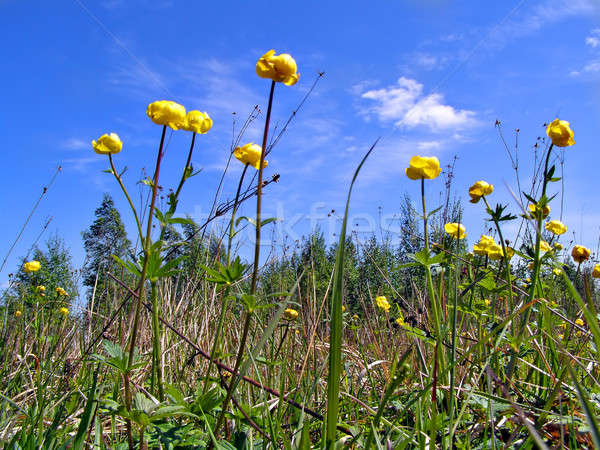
x,y
455,230
108,144
198,122
60,291
382,303
560,133
596,271
290,314
557,271
40,288
579,322
250,154
556,227
64,311
479,189
423,167
281,68
166,112
580,253
32,266
17,313
557,246
534,209
343,308
400,321
544,246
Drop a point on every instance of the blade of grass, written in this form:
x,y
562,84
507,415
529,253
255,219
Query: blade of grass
x,y
336,323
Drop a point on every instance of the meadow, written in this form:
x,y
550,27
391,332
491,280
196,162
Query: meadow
x,y
184,343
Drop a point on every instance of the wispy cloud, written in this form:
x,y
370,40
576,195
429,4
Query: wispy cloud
x,y
592,66
73,143
406,105
80,164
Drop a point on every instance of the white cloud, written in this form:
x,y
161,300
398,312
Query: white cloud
x,y
406,105
429,145
592,41
75,144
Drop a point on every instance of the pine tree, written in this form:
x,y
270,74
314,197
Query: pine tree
x,y
105,237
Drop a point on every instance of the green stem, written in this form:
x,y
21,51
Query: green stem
x,y
242,345
156,342
538,239
235,205
142,282
213,350
118,177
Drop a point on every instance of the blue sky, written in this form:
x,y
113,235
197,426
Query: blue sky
x,y
429,76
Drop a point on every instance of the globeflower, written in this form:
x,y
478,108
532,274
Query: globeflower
x,y
479,189
556,227
560,133
40,288
18,313
579,322
281,68
556,271
481,248
557,246
166,112
64,311
108,144
382,303
250,154
455,230
290,314
423,167
32,266
580,253
198,122
60,291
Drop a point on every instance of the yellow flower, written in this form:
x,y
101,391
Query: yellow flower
x,y
544,246
64,311
198,122
455,230
533,209
560,133
61,291
400,321
557,246
250,154
343,308
561,336
32,266
557,271
556,227
479,189
281,68
580,253
290,314
40,288
423,167
487,302
108,144
166,112
17,313
382,303
355,317
481,248
579,322
596,271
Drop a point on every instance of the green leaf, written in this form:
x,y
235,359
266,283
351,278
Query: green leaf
x,y
88,413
